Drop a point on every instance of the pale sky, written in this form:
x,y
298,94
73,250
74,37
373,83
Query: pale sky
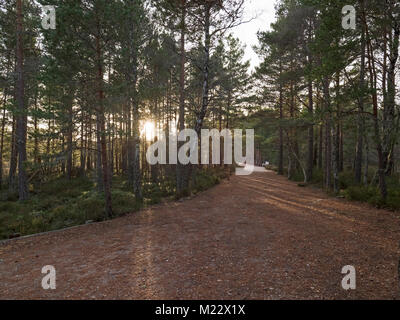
x,y
247,33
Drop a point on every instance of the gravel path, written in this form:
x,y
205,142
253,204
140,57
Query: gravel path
x,y
252,237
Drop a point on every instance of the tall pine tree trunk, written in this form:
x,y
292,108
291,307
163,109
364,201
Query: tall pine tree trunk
x,y
13,158
137,175
360,120
328,135
205,69
310,149
102,129
378,139
3,125
70,129
181,175
99,171
21,109
280,155
390,106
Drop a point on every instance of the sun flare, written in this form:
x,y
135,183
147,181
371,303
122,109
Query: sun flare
x,y
148,130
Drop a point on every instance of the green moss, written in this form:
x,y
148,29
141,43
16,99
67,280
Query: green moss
x,y
64,203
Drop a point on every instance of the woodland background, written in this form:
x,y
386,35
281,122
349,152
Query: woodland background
x,y
77,102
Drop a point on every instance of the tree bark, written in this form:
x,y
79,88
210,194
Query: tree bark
x,y
390,132
280,155
206,86
320,146
328,135
360,120
36,131
366,165
206,65
70,129
13,158
101,127
21,109
181,175
99,170
378,139
3,125
310,149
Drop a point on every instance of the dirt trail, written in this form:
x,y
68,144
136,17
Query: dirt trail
x,y
253,237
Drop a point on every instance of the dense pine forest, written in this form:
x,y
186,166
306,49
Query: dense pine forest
x,y
335,88
81,101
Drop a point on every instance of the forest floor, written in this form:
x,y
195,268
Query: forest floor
x,y
251,237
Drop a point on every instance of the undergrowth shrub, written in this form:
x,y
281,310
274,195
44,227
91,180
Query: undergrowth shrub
x,y
62,203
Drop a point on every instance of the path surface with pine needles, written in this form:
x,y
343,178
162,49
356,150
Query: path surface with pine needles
x,y
251,237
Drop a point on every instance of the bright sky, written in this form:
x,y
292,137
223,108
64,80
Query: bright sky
x,y
247,33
